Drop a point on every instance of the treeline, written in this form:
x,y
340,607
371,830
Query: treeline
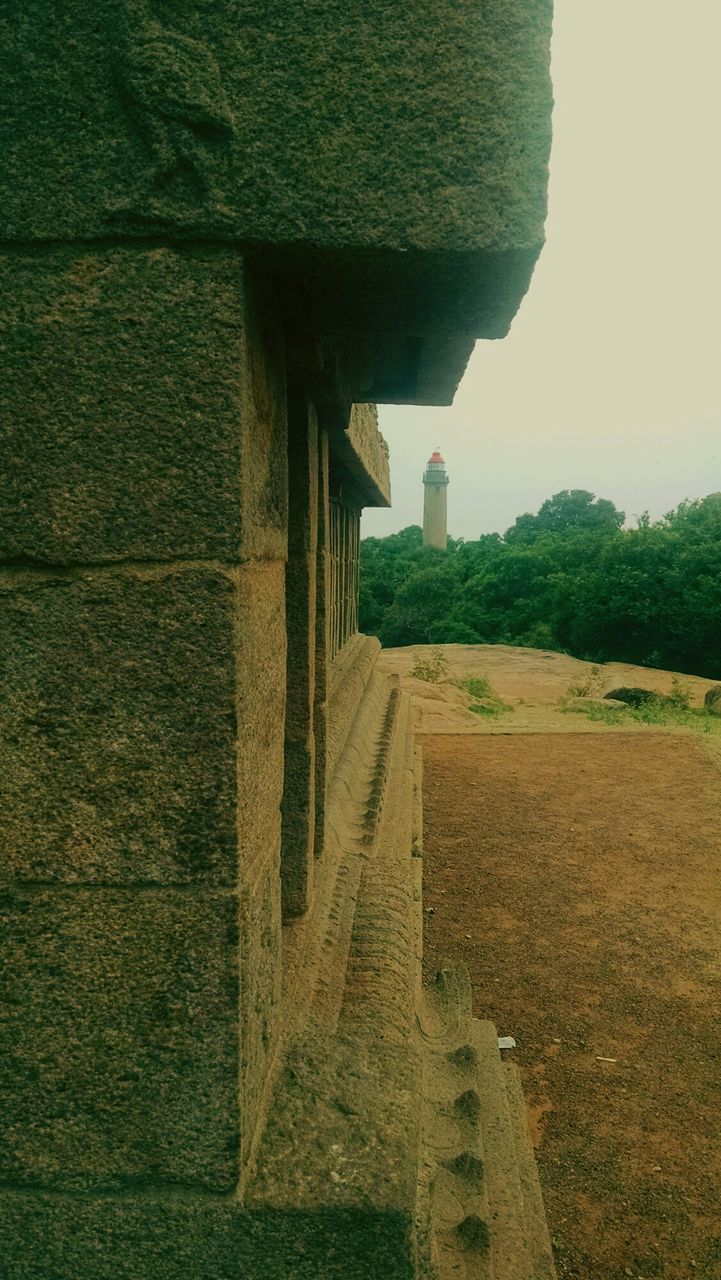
x,y
569,578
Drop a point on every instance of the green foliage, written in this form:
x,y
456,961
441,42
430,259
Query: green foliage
x,y
477,686
590,686
569,579
431,666
597,712
658,711
569,510
484,701
680,695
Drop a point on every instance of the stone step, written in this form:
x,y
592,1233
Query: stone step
x,y
537,1236
453,1180
380,988
479,1181
511,1259
361,779
316,947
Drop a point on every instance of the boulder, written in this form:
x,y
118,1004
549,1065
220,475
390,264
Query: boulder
x,y
584,704
712,701
634,697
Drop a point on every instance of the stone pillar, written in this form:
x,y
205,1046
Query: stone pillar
x,y
299,807
345,555
322,634
142,548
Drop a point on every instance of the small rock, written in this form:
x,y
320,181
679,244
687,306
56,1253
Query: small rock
x,y
712,701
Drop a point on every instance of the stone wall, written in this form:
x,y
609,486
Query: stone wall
x,y
179,575
142,605
222,226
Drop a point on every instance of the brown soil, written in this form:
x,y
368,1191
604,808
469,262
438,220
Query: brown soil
x,y
577,875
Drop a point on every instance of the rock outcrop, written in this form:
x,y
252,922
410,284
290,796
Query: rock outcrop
x,y
633,696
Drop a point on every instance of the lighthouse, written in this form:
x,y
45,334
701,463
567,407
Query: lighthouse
x,y
435,508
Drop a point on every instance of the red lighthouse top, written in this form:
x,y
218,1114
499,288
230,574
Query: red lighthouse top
x,y
436,457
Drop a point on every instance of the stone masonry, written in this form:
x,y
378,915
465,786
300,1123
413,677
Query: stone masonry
x,y
227,230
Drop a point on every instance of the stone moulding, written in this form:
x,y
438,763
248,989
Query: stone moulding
x,y
389,173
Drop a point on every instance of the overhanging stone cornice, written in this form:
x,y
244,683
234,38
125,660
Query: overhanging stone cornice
x,y
388,165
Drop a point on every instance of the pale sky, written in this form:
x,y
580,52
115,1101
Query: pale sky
x,y
609,379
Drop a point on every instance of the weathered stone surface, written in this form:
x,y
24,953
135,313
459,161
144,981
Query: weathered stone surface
x,y
298,826
142,409
298,807
260,993
260,651
365,453
119,706
349,676
320,714
261,663
119,1040
606,703
712,700
350,1104
416,148
430,134
175,1240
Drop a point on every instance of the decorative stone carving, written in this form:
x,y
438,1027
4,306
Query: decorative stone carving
x,y
172,88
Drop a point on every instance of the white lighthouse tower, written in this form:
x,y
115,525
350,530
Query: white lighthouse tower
x,y
435,506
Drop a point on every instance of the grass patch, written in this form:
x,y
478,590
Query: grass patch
x,y
484,701
477,686
664,713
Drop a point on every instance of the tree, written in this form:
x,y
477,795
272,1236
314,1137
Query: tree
x,y
568,578
570,509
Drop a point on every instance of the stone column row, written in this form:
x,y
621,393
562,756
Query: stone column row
x,y
344,574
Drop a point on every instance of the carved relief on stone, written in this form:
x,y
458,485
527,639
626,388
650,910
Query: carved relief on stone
x,y
172,89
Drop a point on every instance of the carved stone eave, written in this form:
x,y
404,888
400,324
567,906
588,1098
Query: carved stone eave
x,y
361,450
388,170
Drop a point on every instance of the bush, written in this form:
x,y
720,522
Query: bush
x,y
485,702
588,687
431,667
680,695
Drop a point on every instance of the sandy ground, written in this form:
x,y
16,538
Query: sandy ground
x,y
575,869
530,680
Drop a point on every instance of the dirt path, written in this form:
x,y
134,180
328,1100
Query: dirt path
x,y
578,876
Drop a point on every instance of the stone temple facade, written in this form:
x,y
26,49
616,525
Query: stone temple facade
x,y
228,229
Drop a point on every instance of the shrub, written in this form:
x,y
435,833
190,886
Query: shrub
x,y
680,695
477,686
588,687
430,666
485,701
